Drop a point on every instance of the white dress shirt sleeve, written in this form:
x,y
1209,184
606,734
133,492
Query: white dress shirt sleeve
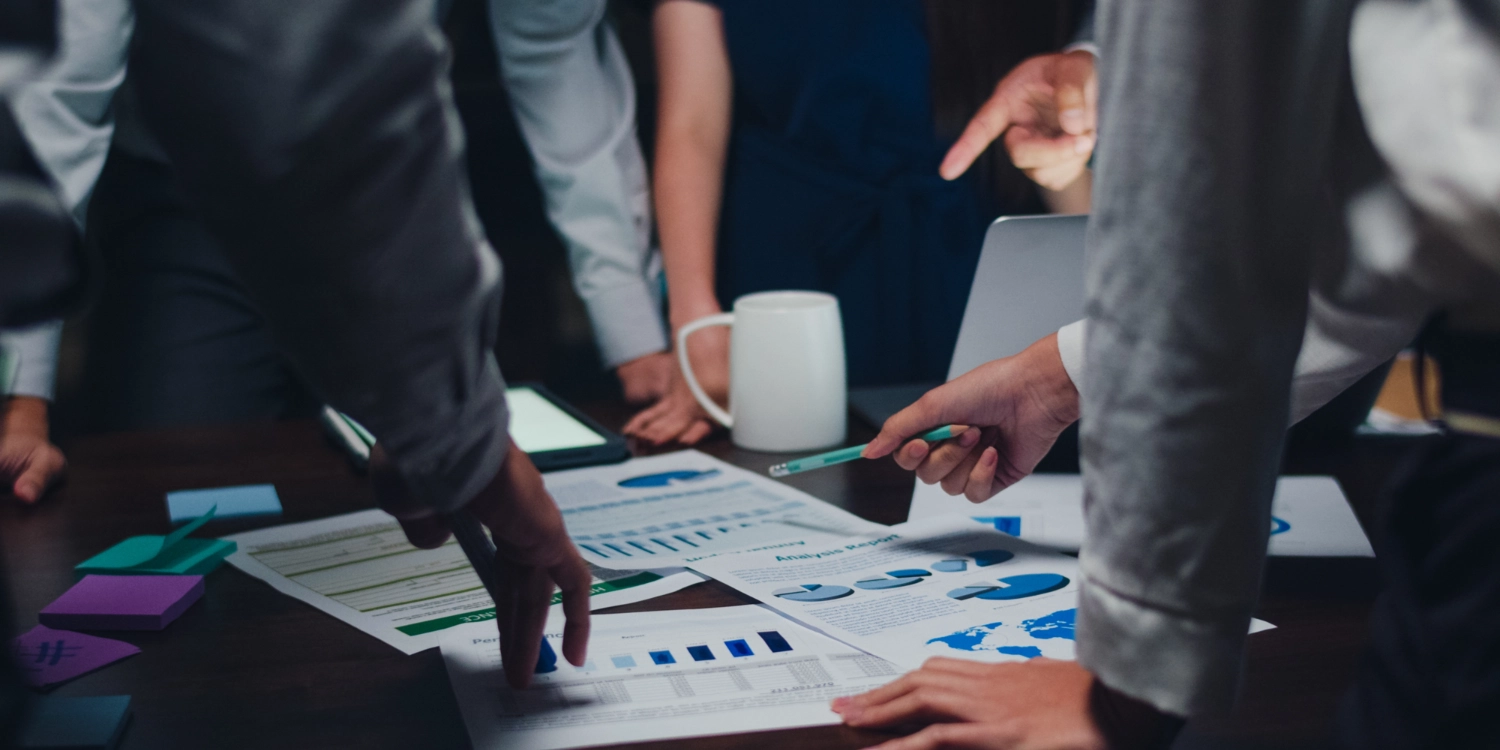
x,y
67,114
34,351
573,96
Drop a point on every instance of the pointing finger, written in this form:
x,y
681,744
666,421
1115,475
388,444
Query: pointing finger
x,y
989,122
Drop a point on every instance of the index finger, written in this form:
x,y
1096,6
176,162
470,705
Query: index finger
x,y
573,579
988,123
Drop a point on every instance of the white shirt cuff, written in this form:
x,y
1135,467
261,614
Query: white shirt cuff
x,y
1089,47
34,350
1070,348
627,323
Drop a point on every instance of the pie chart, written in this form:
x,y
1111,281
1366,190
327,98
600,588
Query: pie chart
x,y
951,566
988,557
898,578
812,592
1011,587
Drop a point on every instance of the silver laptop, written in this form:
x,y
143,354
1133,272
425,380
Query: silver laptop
x,y
1029,283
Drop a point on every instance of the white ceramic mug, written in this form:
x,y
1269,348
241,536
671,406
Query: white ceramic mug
x,y
787,390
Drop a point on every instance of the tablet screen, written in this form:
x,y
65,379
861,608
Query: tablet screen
x,y
537,425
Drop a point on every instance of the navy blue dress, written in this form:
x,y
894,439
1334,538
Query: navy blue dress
x,y
831,180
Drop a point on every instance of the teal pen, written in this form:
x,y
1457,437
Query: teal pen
x,y
844,455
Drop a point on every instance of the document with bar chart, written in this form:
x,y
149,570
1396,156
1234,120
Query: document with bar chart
x,y
670,509
359,568
659,675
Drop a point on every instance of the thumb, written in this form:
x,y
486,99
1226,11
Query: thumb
x,y
423,526
1073,114
988,123
38,475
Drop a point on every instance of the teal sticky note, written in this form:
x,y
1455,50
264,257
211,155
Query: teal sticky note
x,y
246,500
173,554
54,723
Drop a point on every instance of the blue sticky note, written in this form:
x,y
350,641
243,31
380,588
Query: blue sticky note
x,y
55,723
247,500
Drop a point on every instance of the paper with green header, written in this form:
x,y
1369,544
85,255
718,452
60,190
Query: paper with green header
x,y
360,569
174,554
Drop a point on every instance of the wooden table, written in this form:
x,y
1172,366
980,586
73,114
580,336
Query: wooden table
x,y
249,667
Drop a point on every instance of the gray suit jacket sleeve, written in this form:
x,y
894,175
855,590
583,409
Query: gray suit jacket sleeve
x,y
322,146
1215,116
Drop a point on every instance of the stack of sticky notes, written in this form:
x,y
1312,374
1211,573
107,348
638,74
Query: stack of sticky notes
x,y
123,602
54,723
173,554
46,657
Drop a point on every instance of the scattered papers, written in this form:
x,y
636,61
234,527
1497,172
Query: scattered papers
x,y
46,657
1310,515
360,569
230,502
123,602
54,723
660,675
678,507
173,554
940,587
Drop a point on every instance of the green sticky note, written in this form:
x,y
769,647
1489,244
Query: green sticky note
x,y
173,554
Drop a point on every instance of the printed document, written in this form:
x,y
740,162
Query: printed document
x,y
944,586
671,509
360,569
1310,516
659,675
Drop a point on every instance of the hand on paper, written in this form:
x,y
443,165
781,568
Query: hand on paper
x,y
678,417
1041,703
1016,406
29,462
534,555
1046,110
647,379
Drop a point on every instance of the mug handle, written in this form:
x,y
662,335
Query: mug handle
x,y
722,319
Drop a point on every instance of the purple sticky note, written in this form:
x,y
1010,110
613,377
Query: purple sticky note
x,y
47,657
123,602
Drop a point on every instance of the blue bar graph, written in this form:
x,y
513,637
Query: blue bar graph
x,y
700,653
662,657
774,641
738,647
623,662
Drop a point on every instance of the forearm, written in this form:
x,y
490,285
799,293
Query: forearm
x,y
692,139
1197,298
321,144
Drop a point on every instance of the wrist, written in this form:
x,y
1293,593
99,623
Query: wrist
x,y
24,415
1051,388
690,314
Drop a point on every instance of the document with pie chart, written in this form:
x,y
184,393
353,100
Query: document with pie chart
x,y
663,511
942,586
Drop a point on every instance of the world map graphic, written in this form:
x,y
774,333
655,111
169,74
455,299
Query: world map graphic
x,y
1050,635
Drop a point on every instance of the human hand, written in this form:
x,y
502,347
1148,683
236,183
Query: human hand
x,y
678,416
1017,407
29,462
533,556
1041,703
647,379
1046,107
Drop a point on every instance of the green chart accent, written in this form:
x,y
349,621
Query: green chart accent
x,y
443,623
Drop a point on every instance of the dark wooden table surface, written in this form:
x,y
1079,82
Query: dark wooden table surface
x,y
249,667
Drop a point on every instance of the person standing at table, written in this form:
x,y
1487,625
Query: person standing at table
x,y
320,143
798,147
1343,198
178,342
